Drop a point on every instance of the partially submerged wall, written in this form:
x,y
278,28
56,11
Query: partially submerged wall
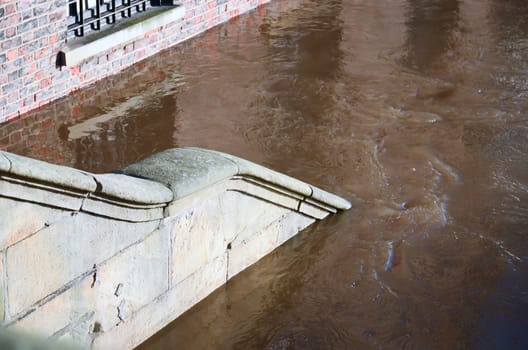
x,y
106,261
33,34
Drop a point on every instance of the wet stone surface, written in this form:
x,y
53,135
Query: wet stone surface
x,y
416,110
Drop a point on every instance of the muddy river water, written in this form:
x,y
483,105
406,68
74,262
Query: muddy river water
x,y
415,110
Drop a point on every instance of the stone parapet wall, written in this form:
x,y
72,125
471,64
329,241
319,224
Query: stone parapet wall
x,y
32,33
106,260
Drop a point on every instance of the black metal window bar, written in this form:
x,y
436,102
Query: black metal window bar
x,y
86,15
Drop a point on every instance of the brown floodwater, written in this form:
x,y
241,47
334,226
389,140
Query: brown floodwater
x,y
416,110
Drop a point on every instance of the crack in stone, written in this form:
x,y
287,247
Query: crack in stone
x,y
228,250
5,289
122,310
10,163
94,277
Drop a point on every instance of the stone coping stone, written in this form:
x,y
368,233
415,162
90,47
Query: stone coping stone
x,y
187,170
246,167
50,173
183,170
330,199
133,189
116,186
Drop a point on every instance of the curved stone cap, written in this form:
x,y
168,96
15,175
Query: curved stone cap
x,y
60,178
187,170
246,167
183,170
132,189
144,184
47,173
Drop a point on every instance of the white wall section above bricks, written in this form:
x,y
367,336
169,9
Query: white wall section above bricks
x,y
87,47
107,260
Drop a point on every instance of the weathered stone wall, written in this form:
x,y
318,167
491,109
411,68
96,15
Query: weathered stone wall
x,y
105,261
32,33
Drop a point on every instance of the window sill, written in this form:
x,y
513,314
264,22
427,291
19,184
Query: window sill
x,y
91,45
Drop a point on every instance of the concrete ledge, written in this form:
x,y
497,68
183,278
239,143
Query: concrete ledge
x,y
95,44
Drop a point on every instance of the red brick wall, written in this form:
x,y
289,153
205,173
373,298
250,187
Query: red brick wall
x,y
32,32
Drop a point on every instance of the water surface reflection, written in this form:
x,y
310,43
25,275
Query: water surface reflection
x,y
416,110
432,25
